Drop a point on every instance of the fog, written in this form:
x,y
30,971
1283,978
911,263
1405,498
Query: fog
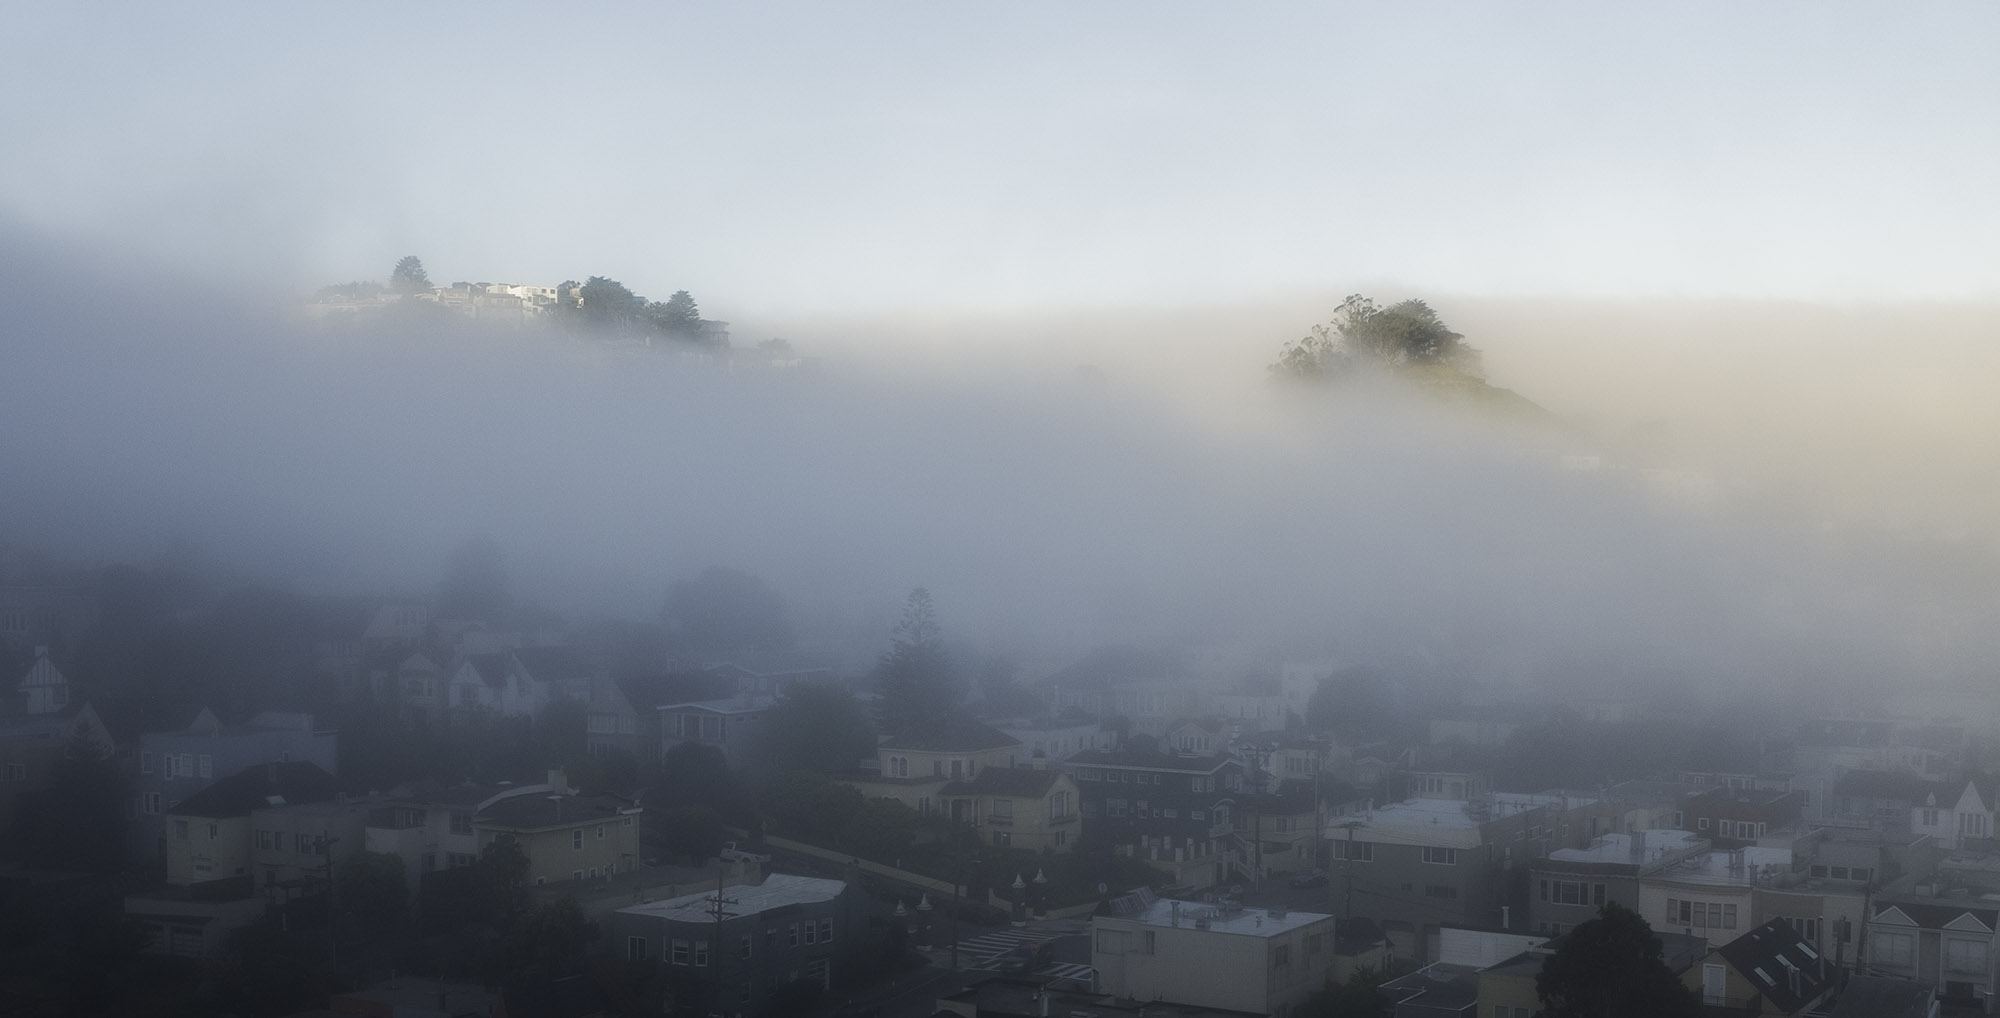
x,y
1818,509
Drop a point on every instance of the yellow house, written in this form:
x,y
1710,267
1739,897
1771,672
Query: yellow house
x,y
1018,807
914,766
208,836
565,836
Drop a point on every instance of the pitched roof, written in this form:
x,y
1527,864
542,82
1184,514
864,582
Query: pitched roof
x,y
1882,997
951,735
1779,965
1022,781
1936,915
256,787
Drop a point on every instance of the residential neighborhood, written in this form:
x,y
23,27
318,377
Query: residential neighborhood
x,y
552,820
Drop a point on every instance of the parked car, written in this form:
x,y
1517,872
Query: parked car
x,y
1309,878
1027,958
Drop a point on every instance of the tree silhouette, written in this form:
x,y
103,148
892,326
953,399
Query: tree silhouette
x,y
408,277
1612,967
915,681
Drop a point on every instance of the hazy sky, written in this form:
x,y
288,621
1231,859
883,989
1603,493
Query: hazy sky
x,y
781,158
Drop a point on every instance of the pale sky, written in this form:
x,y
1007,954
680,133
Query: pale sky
x,y
785,159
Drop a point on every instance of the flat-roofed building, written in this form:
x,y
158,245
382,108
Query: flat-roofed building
x,y
1191,953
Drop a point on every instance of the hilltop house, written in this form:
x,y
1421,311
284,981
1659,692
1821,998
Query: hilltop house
x,y
1017,807
914,766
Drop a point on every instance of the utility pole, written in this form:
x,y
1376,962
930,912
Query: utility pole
x,y
719,908
325,845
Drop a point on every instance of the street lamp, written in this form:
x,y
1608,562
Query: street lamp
x,y
1041,895
1020,909
924,912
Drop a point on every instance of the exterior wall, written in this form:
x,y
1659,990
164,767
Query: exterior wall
x,y
210,758
923,796
1713,814
1734,906
950,764
738,734
575,851
1815,914
1552,911
1508,993
757,953
1208,968
1962,960
285,848
1057,742
1043,823
203,850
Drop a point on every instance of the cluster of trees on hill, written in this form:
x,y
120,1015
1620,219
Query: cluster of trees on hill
x,y
599,304
1365,335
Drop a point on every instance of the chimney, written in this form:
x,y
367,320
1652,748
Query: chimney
x,y
1506,913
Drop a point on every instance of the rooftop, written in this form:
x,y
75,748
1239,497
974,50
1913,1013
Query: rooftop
x,y
777,891
1740,866
529,812
950,736
1236,922
1636,849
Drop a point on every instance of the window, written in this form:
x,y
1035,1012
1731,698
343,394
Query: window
x,y
576,839
1964,955
269,841
747,941
1354,851
701,954
1195,814
461,822
635,948
207,769
826,931
14,772
186,766
792,938
1890,948
1173,813
146,767
1003,810
1441,856
600,832
211,832
1930,818
1701,824
680,955
152,804
1089,774
812,933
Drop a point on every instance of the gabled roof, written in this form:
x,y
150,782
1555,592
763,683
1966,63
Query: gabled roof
x,y
259,787
1936,915
1021,781
1779,965
952,735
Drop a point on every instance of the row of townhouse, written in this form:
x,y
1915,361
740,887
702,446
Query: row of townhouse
x,y
276,832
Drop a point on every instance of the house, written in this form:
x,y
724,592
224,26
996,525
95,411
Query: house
x,y
1709,894
1768,970
623,714
1957,812
742,943
297,846
518,682
208,853
1055,739
209,833
734,726
1195,954
1572,885
914,766
564,834
432,830
1278,831
1174,811
43,690
1423,864
1878,800
175,765
1018,807
1735,817
1946,943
